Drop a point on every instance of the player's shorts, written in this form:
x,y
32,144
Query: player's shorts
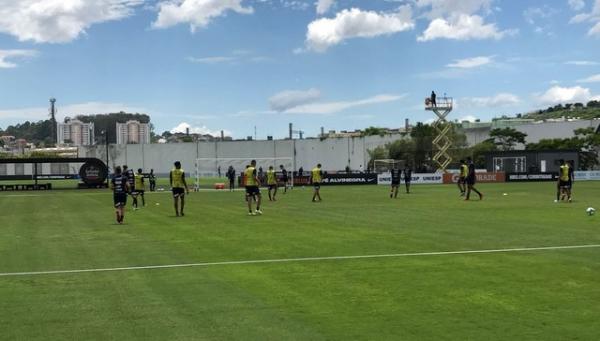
x,y
285,179
316,185
564,184
252,190
470,180
120,199
395,183
407,180
270,187
462,179
178,192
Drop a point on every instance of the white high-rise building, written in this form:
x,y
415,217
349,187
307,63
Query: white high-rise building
x,y
133,132
76,133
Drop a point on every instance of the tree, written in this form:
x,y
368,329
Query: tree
x,y
372,131
507,138
480,150
422,135
378,153
403,149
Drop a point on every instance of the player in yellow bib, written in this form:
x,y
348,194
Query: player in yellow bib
x,y
252,188
138,189
179,187
316,177
462,177
272,183
564,177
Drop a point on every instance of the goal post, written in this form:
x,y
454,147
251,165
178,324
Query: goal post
x,y
214,170
385,165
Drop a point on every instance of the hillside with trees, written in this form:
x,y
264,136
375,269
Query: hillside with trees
x,y
588,111
39,133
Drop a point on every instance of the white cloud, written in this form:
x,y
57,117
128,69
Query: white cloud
x,y
462,27
442,8
288,99
355,23
592,17
183,126
582,63
335,107
196,13
591,79
469,63
324,5
500,100
71,110
211,60
558,94
533,14
54,21
576,5
7,55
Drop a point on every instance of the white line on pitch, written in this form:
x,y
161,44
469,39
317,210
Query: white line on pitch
x,y
307,259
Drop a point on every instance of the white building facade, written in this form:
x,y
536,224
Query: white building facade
x,y
76,133
133,132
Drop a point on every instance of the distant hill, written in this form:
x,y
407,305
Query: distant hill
x,y
570,110
40,132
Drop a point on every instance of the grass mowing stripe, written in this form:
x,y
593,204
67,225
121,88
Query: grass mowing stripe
x,y
306,259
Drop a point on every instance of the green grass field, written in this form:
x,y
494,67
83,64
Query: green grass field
x,y
523,295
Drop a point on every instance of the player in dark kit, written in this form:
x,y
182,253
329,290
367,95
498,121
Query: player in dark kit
x,y
231,176
396,175
152,180
130,177
407,178
471,179
120,189
284,178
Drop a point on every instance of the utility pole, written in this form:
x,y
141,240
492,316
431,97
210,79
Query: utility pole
x,y
53,133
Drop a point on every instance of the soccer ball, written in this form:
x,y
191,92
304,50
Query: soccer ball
x,y
590,211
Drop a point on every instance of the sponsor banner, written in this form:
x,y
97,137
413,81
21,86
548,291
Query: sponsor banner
x,y
586,175
480,176
416,178
515,177
340,179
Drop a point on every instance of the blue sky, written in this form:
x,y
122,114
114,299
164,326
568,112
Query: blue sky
x,y
340,64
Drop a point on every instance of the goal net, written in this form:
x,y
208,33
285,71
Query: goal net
x,y
210,171
385,165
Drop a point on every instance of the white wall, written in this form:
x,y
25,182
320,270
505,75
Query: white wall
x,y
332,153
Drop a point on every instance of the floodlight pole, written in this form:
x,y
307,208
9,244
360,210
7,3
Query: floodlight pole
x,y
442,142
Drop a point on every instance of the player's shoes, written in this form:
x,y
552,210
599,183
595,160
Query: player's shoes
x,y
570,200
251,213
259,212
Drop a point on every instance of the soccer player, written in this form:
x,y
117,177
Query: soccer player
x,y
130,178
231,176
396,175
563,181
252,188
462,177
571,175
284,178
407,177
316,177
120,189
179,187
471,179
139,188
152,180
272,183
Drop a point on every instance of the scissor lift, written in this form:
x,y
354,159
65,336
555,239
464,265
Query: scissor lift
x,y
442,143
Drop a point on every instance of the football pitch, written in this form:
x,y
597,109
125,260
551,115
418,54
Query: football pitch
x,y
357,266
